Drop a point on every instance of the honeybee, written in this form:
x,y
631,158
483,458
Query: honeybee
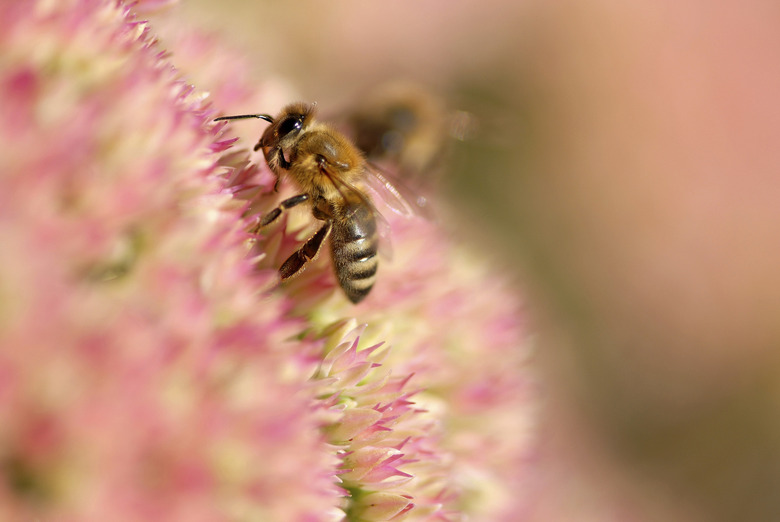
x,y
405,127
331,173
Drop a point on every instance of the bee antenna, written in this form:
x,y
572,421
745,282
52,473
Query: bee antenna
x,y
265,117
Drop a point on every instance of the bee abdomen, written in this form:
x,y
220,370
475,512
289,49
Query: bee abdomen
x,y
354,249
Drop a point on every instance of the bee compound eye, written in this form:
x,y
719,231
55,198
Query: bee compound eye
x,y
288,125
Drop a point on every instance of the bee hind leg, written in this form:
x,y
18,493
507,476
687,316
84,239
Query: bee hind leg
x,y
297,261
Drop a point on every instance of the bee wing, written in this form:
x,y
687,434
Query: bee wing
x,y
385,248
383,229
396,194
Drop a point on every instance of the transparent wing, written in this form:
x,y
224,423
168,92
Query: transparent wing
x,y
396,194
383,229
351,193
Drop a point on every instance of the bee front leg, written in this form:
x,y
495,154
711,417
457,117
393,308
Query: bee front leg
x,y
306,253
274,214
273,157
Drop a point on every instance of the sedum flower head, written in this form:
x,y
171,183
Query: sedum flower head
x,y
150,365
141,377
430,405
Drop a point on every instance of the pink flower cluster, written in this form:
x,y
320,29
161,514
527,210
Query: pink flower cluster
x,y
391,466
455,435
151,368
141,377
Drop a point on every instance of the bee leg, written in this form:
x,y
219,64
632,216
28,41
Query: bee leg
x,y
306,253
274,214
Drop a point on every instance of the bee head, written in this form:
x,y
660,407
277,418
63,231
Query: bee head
x,y
288,125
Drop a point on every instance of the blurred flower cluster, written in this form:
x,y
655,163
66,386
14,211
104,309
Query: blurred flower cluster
x,y
151,367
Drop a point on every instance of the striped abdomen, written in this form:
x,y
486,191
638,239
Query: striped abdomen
x,y
353,245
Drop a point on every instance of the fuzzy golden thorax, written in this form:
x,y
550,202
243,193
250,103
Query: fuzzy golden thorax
x,y
322,162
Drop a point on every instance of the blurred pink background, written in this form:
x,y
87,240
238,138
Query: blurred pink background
x,y
627,167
